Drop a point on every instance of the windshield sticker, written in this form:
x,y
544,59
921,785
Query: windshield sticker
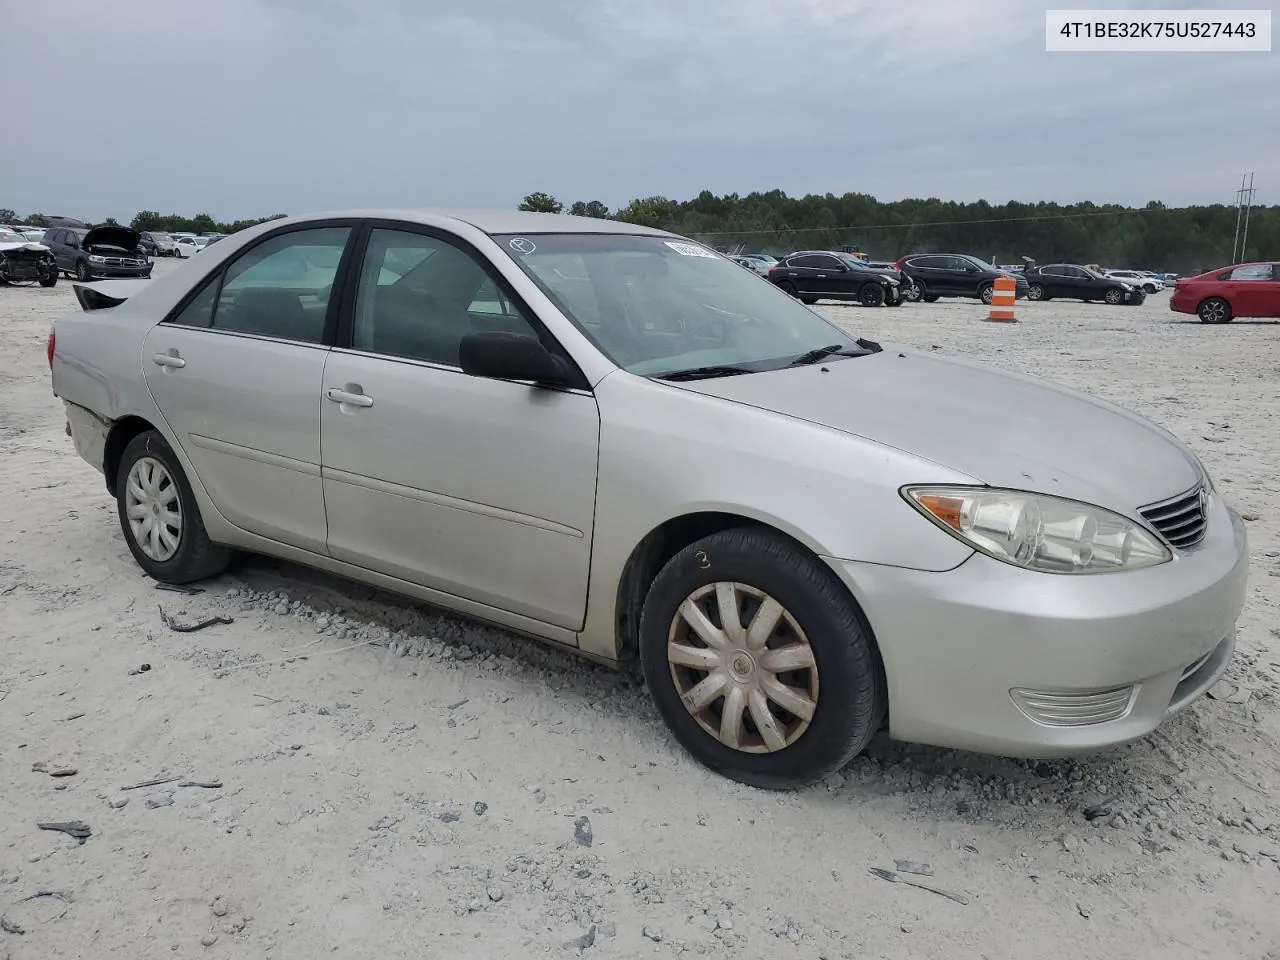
x,y
522,246
690,249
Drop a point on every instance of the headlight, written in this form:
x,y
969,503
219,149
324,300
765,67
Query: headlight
x,y
96,259
1039,532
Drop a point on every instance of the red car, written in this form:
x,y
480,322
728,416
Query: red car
x,y
1219,296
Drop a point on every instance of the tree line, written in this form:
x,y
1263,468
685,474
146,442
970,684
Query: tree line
x,y
1156,236
149,220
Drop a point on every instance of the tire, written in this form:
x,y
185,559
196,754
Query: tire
x,y
930,297
807,300
986,292
913,291
1036,292
82,271
820,622
193,556
1148,288
49,281
1214,310
1114,296
871,295
896,303
789,288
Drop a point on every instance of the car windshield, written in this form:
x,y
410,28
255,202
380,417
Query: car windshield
x,y
853,262
656,305
8,236
161,236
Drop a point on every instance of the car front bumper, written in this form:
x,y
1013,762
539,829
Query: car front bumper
x,y
996,659
108,270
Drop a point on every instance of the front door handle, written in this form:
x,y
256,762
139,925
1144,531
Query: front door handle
x,y
352,399
168,360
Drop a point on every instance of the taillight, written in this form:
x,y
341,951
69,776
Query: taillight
x,y
53,339
898,264
773,271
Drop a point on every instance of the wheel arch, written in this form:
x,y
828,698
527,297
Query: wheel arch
x,y
668,538
122,431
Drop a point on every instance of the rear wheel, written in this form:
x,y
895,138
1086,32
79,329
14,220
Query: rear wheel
x,y
160,517
789,288
805,298
759,660
871,294
1214,310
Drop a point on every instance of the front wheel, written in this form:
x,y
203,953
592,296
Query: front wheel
x,y
1114,296
871,295
986,292
913,290
50,281
1214,310
759,660
82,271
1036,292
160,517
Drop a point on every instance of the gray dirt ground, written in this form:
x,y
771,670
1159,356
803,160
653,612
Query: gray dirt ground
x,y
396,782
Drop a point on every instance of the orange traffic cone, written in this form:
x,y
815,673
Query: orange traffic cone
x,y
1003,296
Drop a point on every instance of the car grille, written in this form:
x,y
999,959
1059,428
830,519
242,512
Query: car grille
x,y
123,262
1182,520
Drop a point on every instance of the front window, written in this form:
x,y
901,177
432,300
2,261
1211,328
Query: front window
x,y
9,237
657,306
161,237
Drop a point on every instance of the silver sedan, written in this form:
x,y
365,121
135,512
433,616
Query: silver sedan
x,y
619,441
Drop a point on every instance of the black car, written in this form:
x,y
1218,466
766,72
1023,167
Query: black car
x,y
1075,282
813,275
937,275
98,253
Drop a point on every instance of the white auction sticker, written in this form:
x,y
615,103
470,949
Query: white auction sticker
x,y
689,249
1163,31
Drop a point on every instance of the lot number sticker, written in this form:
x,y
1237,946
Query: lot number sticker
x,y
689,249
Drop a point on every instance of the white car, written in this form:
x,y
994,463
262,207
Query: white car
x,y
185,246
1148,284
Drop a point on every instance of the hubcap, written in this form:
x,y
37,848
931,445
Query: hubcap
x,y
153,509
743,667
1035,292
1212,311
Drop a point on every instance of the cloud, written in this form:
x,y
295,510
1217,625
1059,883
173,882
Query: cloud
x,y
246,107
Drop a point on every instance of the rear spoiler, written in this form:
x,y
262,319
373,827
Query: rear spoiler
x,y
101,294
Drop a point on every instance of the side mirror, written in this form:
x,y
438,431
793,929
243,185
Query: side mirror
x,y
499,355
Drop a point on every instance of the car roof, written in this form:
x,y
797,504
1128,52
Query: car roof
x,y
490,221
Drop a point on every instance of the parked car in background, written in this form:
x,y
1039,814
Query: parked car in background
x,y
768,258
614,464
184,245
1074,282
157,243
98,252
813,275
1222,295
755,265
1149,284
954,275
25,261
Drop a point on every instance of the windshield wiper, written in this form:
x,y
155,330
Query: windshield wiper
x,y
843,349
705,373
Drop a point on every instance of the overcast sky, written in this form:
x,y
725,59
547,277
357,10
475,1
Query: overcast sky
x,y
247,107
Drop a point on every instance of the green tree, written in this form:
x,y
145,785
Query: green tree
x,y
592,208
657,212
7,215
540,202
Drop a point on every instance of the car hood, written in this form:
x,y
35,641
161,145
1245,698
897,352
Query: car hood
x,y
1003,429
122,237
8,246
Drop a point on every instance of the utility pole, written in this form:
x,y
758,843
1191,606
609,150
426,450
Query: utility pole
x,y
1248,205
1244,202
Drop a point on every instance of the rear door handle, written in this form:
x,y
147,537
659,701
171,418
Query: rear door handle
x,y
168,360
354,399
